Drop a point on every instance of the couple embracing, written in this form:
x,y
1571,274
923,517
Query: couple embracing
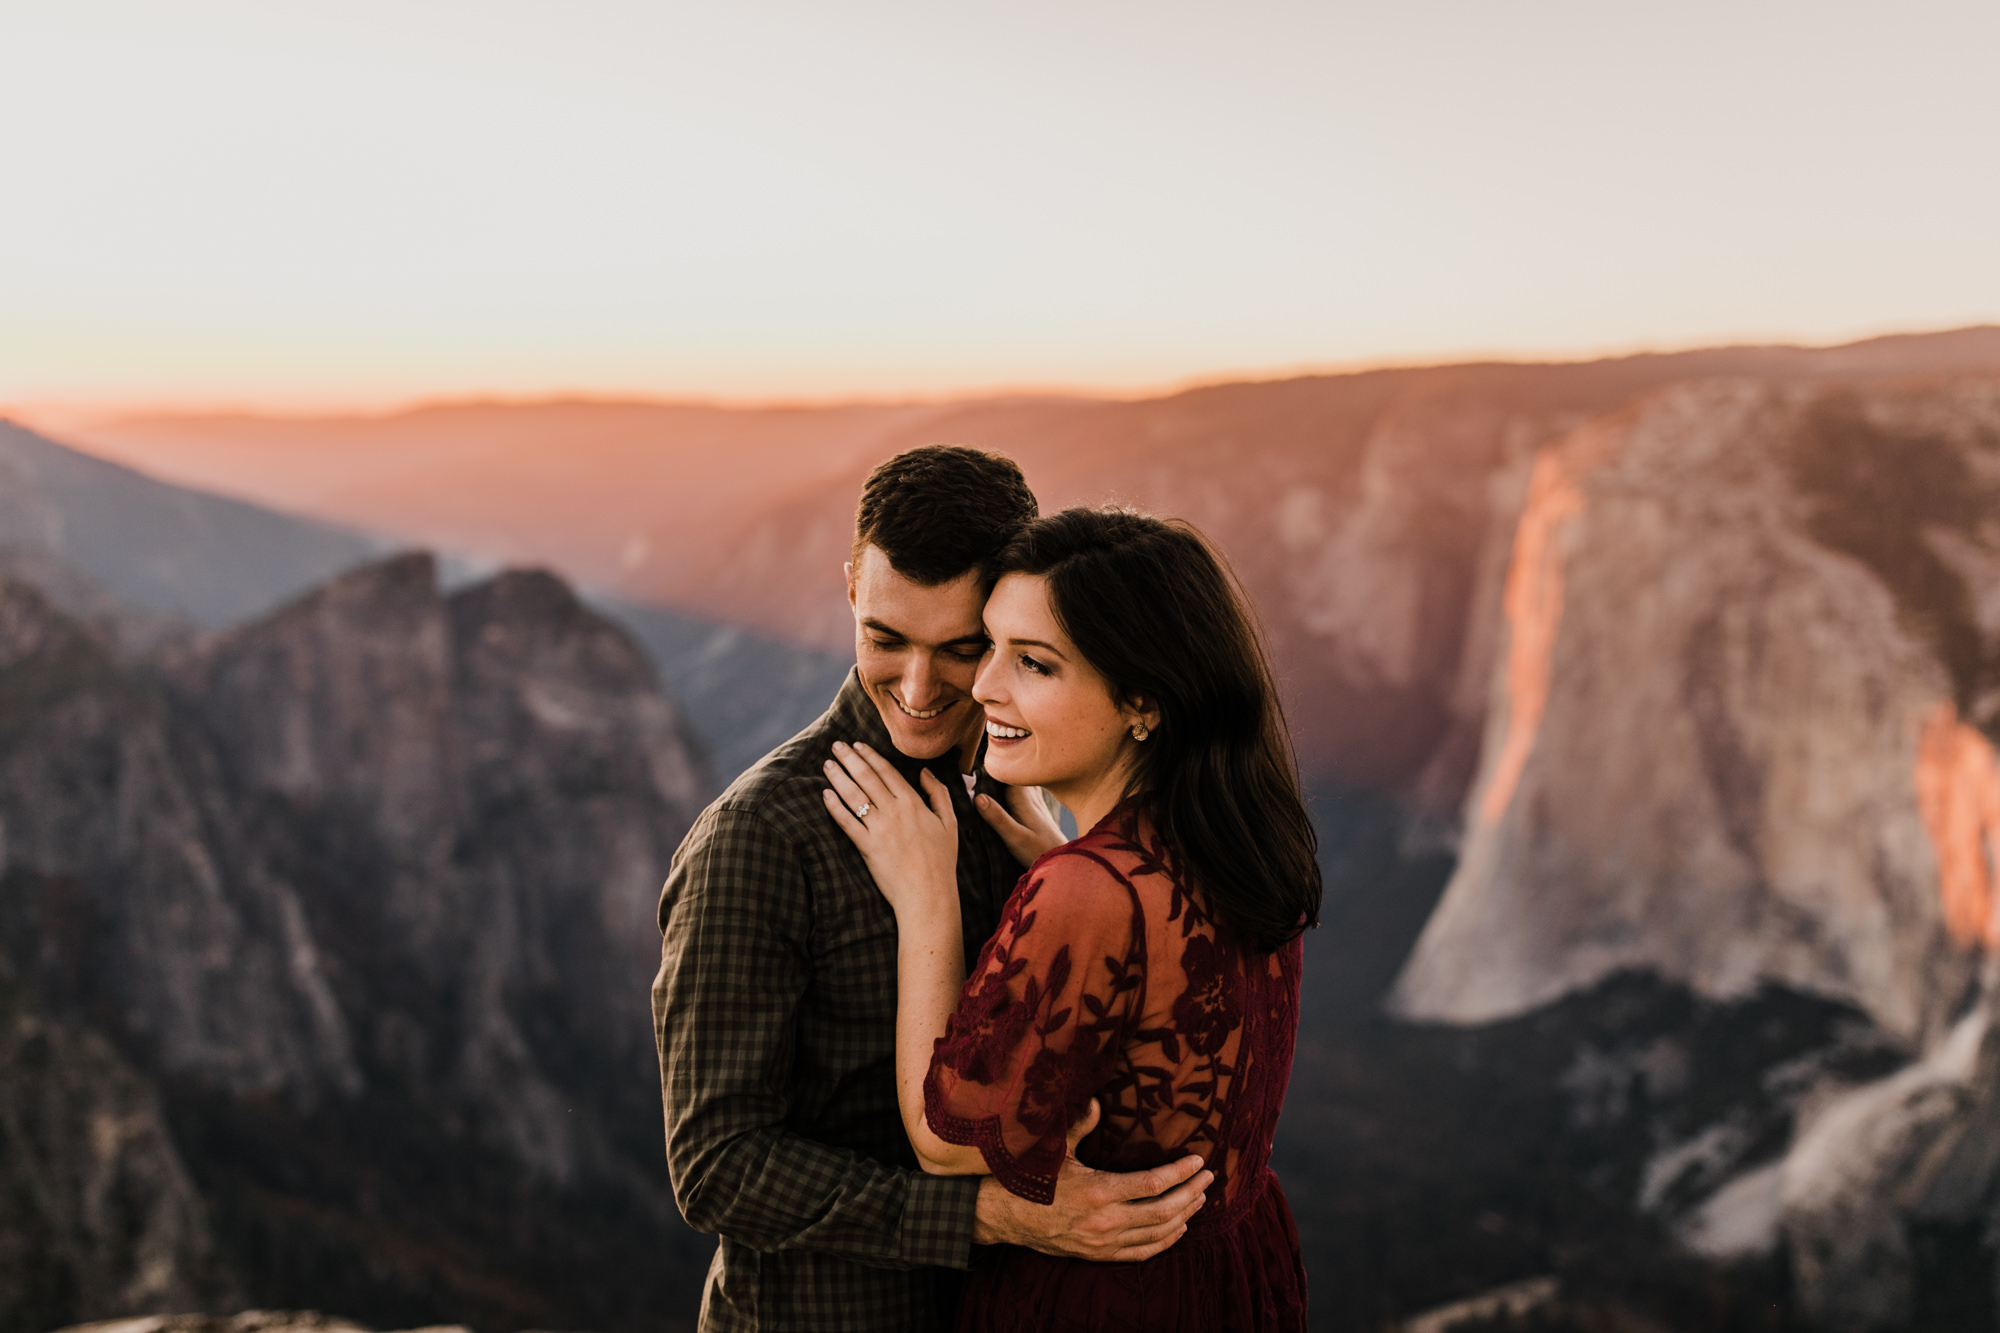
x,y
889,1056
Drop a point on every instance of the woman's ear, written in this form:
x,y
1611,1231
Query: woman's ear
x,y
1141,716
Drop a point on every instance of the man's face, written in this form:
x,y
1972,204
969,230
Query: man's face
x,y
918,649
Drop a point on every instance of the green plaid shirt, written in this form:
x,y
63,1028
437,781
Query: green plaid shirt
x,y
775,1011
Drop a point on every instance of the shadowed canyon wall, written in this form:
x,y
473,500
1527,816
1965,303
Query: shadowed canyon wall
x,y
365,889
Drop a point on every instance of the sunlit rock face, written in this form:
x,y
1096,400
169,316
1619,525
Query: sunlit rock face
x,y
1712,746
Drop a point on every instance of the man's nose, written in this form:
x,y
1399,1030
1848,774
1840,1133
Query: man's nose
x,y
920,682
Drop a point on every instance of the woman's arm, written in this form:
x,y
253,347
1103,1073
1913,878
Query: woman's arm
x,y
930,969
910,842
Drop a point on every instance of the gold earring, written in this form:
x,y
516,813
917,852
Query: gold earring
x,y
1139,731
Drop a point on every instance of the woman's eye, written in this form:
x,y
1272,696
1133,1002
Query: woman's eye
x,y
1034,666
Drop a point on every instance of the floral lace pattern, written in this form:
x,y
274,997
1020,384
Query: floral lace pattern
x,y
1109,978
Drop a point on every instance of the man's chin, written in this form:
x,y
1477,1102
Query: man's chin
x,y
917,739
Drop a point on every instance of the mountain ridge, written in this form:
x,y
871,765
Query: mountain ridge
x,y
1391,494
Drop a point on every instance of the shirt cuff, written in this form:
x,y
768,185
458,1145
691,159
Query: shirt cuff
x,y
938,1214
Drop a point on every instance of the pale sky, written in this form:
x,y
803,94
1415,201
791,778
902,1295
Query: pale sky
x,y
317,204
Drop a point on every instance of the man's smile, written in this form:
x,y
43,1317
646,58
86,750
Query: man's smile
x,y
920,716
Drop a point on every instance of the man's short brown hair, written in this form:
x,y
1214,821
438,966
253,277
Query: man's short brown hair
x,y
942,509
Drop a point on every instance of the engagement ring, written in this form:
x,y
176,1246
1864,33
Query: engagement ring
x,y
861,812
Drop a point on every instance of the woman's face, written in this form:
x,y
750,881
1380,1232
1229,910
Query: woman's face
x,y
1051,720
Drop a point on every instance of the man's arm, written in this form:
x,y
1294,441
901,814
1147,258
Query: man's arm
x,y
1097,1215
733,969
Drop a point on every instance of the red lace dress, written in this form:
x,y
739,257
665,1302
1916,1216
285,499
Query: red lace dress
x,y
1109,979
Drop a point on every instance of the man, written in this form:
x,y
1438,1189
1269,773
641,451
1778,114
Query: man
x,y
775,1004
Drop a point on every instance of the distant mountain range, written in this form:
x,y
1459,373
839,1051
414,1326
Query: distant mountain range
x,y
1366,512
148,560
1650,709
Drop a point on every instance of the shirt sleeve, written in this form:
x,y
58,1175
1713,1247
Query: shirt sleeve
x,y
1040,1022
734,965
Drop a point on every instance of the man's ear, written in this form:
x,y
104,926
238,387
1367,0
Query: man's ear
x,y
849,568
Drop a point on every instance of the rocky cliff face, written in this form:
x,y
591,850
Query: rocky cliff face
x,y
479,795
1740,735
1726,742
135,899
102,1217
365,888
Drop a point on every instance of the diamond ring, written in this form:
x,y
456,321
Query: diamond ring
x,y
861,812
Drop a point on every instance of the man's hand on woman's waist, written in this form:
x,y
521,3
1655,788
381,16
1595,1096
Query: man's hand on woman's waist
x,y
1106,1216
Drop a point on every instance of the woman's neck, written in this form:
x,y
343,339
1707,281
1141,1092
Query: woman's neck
x,y
1091,799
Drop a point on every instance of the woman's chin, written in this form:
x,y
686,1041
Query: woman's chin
x,y
1010,768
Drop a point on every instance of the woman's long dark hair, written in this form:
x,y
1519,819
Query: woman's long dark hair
x,y
1154,609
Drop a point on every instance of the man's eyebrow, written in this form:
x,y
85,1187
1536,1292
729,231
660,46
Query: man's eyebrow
x,y
874,626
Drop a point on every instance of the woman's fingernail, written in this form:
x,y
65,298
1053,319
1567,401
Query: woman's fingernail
x,y
861,745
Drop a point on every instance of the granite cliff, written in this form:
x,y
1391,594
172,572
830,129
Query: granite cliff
x,y
1740,737
363,889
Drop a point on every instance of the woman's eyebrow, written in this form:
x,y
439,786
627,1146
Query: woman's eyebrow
x,y
1039,643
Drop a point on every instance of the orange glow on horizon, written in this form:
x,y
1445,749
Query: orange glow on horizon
x,y
56,411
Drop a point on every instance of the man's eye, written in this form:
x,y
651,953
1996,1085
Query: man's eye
x,y
970,653
885,645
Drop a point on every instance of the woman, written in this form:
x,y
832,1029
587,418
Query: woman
x,y
1151,965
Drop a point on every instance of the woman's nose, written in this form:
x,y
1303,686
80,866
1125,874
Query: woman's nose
x,y
986,685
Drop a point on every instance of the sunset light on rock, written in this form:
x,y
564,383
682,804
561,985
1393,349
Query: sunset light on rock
x,y
1534,606
1958,789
